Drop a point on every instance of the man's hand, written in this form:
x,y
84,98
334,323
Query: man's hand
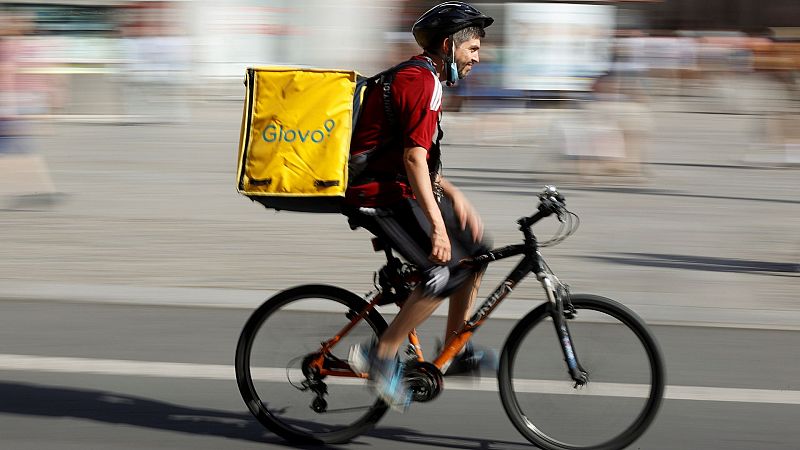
x,y
467,216
440,245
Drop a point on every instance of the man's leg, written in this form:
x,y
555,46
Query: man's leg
x,y
418,308
385,371
471,358
461,302
415,310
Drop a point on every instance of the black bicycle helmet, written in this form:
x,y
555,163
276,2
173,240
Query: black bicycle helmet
x,y
445,19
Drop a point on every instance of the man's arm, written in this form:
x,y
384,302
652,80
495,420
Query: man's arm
x,y
416,164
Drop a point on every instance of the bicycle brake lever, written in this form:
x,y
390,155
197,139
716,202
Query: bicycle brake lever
x,y
560,214
552,200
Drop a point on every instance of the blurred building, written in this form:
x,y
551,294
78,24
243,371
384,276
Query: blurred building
x,y
725,14
542,47
89,42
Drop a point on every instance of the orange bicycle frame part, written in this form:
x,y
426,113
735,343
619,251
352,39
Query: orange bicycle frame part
x,y
340,368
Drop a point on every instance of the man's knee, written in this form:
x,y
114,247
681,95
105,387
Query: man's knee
x,y
442,281
436,282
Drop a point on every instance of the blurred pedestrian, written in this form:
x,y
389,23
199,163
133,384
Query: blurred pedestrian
x,y
612,134
177,55
157,57
24,176
781,66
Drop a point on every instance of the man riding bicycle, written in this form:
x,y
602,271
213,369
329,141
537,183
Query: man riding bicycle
x,y
402,197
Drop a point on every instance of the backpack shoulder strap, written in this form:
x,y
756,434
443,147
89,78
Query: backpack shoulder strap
x,y
386,77
423,63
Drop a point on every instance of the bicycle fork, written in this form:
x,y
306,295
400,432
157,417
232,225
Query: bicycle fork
x,y
559,317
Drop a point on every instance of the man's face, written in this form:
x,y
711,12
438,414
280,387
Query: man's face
x,y
467,56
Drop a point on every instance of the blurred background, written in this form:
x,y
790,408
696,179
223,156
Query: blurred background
x,y
671,126
133,108
111,57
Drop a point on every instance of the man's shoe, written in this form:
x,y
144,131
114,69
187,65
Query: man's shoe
x,y
388,383
471,360
359,357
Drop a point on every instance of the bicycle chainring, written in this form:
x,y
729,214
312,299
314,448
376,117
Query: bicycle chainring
x,y
424,379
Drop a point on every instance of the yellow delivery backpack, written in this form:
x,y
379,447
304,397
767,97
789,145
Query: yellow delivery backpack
x,y
294,144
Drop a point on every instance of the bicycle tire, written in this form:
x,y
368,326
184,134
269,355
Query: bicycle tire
x,y
650,392
306,431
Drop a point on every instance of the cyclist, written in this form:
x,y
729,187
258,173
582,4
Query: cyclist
x,y
402,197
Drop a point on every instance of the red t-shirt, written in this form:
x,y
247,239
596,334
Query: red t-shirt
x,y
416,95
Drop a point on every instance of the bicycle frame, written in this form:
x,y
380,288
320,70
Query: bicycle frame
x,y
532,262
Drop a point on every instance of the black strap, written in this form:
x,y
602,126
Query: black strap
x,y
386,79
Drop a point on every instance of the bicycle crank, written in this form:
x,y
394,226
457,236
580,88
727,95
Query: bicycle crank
x,y
424,379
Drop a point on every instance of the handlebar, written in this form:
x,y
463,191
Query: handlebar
x,y
550,202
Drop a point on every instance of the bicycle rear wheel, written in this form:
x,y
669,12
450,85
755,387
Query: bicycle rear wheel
x,y
624,366
274,344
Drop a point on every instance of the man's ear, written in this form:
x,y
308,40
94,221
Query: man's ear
x,y
445,48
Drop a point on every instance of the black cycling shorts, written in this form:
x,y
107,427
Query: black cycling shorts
x,y
404,227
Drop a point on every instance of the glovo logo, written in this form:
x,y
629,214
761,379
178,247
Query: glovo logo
x,y
273,133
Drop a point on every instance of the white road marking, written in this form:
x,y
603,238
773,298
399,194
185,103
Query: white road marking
x,y
31,363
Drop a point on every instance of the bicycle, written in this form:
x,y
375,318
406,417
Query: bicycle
x,y
313,396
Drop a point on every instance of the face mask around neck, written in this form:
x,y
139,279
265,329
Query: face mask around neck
x,y
451,66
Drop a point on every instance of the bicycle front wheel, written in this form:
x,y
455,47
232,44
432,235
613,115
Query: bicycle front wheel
x,y
625,371
272,358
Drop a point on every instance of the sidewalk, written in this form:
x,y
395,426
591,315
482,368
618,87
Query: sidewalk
x,y
152,217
